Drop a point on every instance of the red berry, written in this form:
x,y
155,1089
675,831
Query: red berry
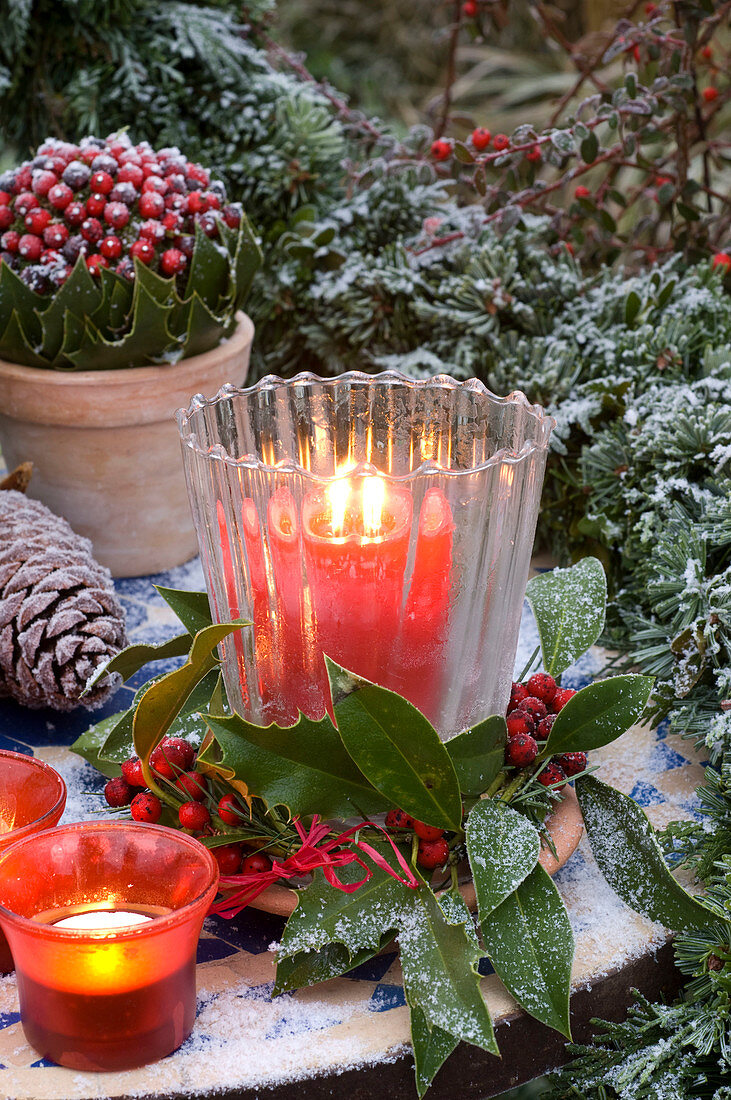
x,y
55,236
146,807
116,214
518,693
193,815
37,220
95,263
709,94
6,217
572,762
43,181
398,819
23,178
542,686
432,853
582,192
427,832
10,240
228,858
230,810
232,216
501,141
132,772
95,204
533,706
101,182
721,259
441,149
193,784
25,202
520,722
92,230
553,773
117,792
534,154
182,746
75,213
5,197
196,204
130,173
209,224
152,230
521,750
60,196
155,183
30,247
481,138
469,9
214,203
545,726
706,52
167,760
172,262
111,248
151,204
257,863
561,698
171,221
197,173
143,250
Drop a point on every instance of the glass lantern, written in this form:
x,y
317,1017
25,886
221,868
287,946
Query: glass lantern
x,y
385,522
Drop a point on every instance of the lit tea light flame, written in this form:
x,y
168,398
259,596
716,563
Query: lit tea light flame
x,y
338,494
374,492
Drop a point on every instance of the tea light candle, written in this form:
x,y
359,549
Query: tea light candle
x,y
103,920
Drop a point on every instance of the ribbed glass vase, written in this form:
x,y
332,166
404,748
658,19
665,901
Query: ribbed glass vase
x,y
385,522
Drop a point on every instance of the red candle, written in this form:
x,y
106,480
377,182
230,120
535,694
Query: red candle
x,y
356,542
106,997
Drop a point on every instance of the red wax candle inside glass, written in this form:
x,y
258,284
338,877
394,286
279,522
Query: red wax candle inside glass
x,y
32,797
356,542
106,998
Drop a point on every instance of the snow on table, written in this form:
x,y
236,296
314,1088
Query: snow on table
x,y
243,1038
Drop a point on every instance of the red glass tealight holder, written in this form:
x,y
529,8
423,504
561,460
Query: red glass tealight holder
x,y
114,996
32,797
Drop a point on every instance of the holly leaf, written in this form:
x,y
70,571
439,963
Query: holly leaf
x,y
202,328
304,767
396,748
432,1045
79,295
163,700
503,848
192,608
331,961
149,339
246,263
598,714
16,346
209,270
90,744
359,921
478,754
439,962
569,606
16,297
625,847
134,657
529,941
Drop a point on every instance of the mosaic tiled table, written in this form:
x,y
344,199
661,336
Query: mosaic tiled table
x,y
350,1037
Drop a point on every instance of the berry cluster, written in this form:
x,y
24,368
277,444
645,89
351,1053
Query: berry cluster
x,y
109,201
433,848
173,764
532,711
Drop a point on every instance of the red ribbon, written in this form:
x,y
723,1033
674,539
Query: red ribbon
x,y
339,851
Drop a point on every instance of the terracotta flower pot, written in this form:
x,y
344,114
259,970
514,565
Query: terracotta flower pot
x,y
106,449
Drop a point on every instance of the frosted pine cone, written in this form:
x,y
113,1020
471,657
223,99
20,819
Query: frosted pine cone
x,y
59,615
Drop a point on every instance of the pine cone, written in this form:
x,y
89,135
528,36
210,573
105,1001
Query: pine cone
x,y
59,615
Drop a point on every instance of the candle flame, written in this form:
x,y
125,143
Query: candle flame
x,y
374,492
338,494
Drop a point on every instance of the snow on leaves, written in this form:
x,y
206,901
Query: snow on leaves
x,y
569,608
503,849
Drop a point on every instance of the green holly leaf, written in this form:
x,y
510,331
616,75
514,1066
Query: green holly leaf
x,y
478,754
331,961
209,271
149,339
16,297
134,657
625,847
439,962
91,742
79,295
247,262
163,289
303,767
15,347
529,941
120,306
192,608
163,700
569,606
203,329
398,750
503,848
598,714
432,1045
359,921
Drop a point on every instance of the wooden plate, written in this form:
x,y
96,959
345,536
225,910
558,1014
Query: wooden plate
x,y
565,826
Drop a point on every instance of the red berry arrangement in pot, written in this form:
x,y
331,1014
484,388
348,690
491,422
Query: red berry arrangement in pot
x,y
93,218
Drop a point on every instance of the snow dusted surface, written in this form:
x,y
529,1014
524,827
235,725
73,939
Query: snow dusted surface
x,y
243,1037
